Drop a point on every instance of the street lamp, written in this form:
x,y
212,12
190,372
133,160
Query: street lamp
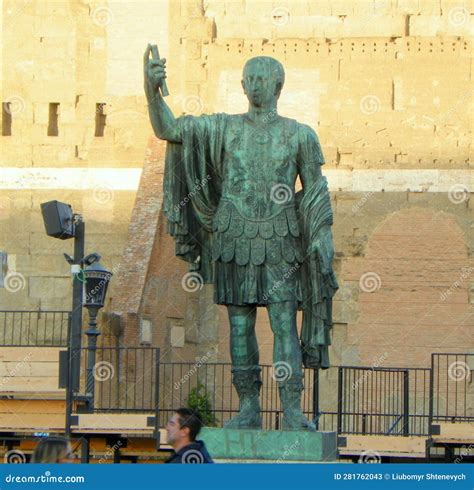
x,y
96,281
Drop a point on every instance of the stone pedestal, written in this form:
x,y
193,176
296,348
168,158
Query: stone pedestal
x,y
251,445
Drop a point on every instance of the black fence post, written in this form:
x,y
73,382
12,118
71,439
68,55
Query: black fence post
x,y
157,399
339,399
316,398
85,449
69,387
431,388
406,402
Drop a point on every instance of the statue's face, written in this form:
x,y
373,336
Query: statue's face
x,y
260,83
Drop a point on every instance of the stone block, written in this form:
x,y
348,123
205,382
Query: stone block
x,y
341,7
374,26
191,9
18,300
192,49
177,336
270,445
320,7
410,7
41,113
235,9
15,153
199,28
296,27
43,245
39,265
67,114
49,287
328,26
195,71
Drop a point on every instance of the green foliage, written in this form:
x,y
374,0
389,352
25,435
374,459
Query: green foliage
x,y
199,400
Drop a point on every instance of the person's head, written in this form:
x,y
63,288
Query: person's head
x,y
183,427
53,449
262,80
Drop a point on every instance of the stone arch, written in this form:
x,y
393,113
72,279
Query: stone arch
x,y
413,290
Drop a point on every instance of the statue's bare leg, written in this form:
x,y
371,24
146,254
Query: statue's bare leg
x,y
287,364
245,366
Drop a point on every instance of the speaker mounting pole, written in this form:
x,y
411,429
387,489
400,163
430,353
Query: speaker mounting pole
x,y
76,316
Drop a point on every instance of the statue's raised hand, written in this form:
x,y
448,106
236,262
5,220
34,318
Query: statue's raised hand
x,y
154,72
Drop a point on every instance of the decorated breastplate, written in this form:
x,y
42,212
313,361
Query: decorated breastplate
x,y
256,219
259,168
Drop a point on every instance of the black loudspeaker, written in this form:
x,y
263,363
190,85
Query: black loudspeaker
x,y
58,219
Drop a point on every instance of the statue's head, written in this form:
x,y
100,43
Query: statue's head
x,y
262,80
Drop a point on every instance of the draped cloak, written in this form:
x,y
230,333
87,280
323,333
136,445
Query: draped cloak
x,y
193,184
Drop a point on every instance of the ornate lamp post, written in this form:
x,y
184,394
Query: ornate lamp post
x,y
96,280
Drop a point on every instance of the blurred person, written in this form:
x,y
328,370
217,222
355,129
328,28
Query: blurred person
x,y
53,449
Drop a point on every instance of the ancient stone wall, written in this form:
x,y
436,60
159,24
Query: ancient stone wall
x,y
387,85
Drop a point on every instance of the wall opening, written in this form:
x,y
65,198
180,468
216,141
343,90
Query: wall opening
x,y
100,118
53,119
6,119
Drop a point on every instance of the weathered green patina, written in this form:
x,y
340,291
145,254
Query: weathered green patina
x,y
270,445
229,197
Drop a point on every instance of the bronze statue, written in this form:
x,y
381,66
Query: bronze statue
x,y
231,206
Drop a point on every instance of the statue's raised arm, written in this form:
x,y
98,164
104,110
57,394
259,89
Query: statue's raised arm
x,y
162,119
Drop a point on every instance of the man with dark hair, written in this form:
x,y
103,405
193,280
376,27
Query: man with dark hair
x,y
183,428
